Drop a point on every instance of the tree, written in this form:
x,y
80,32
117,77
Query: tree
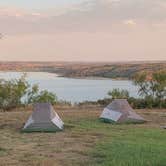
x,y
119,94
152,88
12,91
17,92
159,85
44,97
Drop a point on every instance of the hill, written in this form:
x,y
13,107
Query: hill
x,y
78,69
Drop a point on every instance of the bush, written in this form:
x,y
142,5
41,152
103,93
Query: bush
x,y
64,103
11,92
139,103
152,87
104,102
18,92
119,94
44,97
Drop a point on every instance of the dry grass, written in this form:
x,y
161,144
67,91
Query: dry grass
x,y
67,148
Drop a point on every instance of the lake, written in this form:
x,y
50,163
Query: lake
x,y
74,90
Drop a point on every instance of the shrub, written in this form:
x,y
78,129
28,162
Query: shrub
x,y
64,103
44,97
119,94
152,87
104,101
17,92
11,92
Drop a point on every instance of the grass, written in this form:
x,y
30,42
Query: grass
x,y
127,145
85,141
137,147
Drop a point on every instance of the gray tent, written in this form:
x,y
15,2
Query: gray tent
x,y
43,118
119,111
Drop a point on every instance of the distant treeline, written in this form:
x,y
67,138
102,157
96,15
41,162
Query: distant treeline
x,y
124,71
76,69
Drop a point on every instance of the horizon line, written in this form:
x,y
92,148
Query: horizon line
x,y
61,61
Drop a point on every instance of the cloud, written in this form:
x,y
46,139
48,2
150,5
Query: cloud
x,y
86,31
88,16
129,22
11,12
36,14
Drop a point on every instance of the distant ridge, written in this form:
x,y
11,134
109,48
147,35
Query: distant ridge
x,y
120,70
88,62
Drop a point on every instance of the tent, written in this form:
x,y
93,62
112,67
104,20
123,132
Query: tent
x,y
43,118
119,111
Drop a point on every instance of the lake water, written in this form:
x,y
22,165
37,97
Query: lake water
x,y
74,90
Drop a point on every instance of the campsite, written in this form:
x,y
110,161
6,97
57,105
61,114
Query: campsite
x,y
82,82
84,141
37,129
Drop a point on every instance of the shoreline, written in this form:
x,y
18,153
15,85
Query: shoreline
x,y
95,78
70,77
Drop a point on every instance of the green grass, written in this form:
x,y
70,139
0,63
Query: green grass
x,y
3,151
126,145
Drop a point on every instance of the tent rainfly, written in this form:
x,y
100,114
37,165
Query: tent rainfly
x,y
119,111
43,118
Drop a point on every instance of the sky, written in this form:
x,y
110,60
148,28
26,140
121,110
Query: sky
x,y
83,30
38,4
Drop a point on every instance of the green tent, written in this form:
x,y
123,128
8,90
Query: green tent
x,y
119,111
43,118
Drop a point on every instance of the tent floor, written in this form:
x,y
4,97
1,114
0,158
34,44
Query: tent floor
x,y
105,120
40,130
